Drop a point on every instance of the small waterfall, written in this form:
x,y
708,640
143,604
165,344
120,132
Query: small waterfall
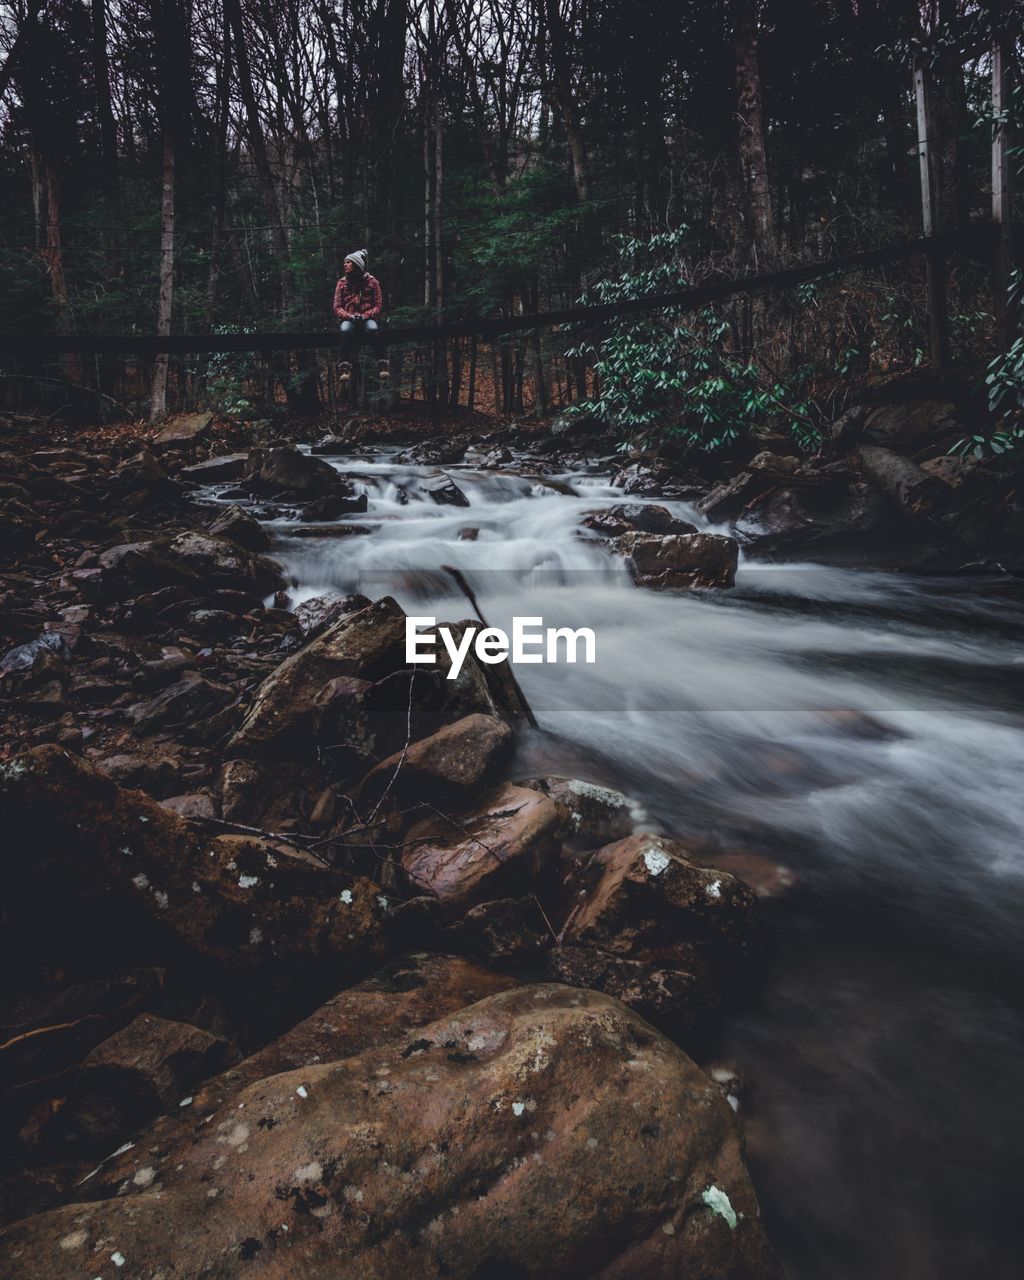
x,y
865,731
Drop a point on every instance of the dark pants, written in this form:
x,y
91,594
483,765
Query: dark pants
x,y
349,331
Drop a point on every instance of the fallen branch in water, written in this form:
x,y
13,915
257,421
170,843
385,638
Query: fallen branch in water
x,y
467,591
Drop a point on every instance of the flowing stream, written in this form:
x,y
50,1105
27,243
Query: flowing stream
x,y
858,739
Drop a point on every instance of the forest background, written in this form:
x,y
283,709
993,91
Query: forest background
x,y
193,165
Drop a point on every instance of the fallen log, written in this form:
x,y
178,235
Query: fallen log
x,y
918,493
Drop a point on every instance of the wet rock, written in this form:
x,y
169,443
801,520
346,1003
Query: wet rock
x,y
726,500
445,768
775,463
681,562
137,480
820,518
639,478
212,624
562,1099
220,563
636,517
333,506
644,897
190,699
595,815
315,615
182,429
285,472
676,1002
439,452
285,715
155,673
767,878
34,654
143,1069
445,492
227,466
241,529
505,845
332,446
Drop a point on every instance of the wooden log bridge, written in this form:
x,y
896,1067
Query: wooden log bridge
x,y
692,299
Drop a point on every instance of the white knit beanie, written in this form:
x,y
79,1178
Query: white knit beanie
x,y
358,257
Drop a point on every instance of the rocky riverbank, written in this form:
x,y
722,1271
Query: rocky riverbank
x,y
234,811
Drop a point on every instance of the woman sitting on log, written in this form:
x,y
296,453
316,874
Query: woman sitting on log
x,y
357,304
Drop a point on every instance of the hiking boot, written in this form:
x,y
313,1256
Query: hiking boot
x,y
383,371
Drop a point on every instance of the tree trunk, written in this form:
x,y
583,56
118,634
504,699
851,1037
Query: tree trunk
x,y
565,99
753,161
165,302
918,493
104,110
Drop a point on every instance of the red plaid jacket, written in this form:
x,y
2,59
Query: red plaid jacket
x,y
364,303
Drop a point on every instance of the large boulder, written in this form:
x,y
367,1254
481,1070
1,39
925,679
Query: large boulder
x,y
542,1132
348,698
239,527
506,844
822,517
285,472
915,425
91,865
183,429
681,561
398,999
190,559
287,711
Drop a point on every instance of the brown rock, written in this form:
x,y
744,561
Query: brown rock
x,y
506,844
445,768
92,861
182,429
141,1070
196,805
189,700
318,613
692,560
405,995
638,517
240,528
226,466
543,1133
284,718
644,897
595,815
285,472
